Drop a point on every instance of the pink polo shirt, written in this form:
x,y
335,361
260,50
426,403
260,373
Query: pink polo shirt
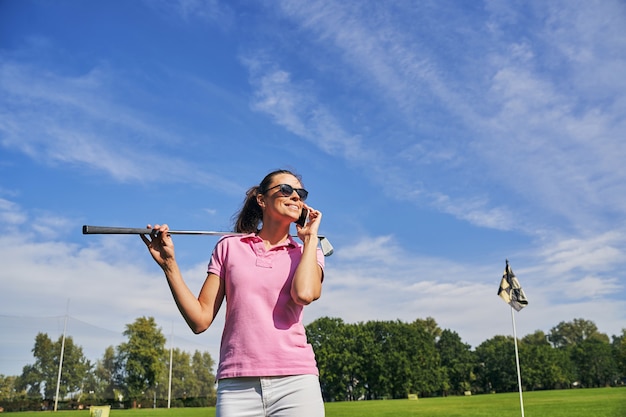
x,y
263,334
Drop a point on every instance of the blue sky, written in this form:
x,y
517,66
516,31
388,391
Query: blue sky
x,y
439,138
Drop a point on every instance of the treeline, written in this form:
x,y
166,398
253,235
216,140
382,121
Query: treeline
x,y
391,359
132,374
371,360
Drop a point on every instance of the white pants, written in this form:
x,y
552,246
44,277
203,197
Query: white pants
x,y
283,396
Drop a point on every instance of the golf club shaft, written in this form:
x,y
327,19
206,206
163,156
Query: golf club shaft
x,y
106,230
327,248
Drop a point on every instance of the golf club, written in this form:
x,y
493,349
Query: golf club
x,y
327,248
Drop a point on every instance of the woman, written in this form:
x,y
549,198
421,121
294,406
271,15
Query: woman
x,y
266,366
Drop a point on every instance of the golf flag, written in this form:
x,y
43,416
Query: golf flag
x,y
510,290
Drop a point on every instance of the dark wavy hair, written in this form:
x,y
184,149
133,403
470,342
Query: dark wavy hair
x,y
250,216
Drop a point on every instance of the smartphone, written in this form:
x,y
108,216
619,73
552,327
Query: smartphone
x,y
304,217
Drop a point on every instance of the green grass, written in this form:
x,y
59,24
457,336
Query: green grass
x,y
605,402
601,402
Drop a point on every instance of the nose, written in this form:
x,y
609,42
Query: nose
x,y
294,196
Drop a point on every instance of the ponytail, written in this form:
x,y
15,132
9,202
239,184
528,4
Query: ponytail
x,y
250,215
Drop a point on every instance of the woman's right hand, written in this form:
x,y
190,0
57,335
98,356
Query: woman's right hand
x,y
160,244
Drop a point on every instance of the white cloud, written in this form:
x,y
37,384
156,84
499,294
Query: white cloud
x,y
296,108
599,253
211,11
592,287
76,121
10,213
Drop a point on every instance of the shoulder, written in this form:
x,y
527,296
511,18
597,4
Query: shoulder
x,y
235,239
232,242
230,248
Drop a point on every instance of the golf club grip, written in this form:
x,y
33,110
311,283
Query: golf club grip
x,y
106,230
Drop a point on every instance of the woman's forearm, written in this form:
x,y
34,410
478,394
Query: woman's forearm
x,y
307,281
196,314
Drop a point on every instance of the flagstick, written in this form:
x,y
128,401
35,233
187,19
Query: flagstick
x,y
519,375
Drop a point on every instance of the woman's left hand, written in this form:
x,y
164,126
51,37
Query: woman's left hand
x,y
311,227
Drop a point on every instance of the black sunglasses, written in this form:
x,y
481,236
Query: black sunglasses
x,y
287,190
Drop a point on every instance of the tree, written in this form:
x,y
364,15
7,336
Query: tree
x,y
398,358
38,379
589,351
619,351
108,375
7,388
76,369
594,362
202,365
193,381
542,366
12,398
572,333
376,359
183,379
371,350
334,348
426,372
399,350
141,358
31,381
496,369
457,362
41,377
430,326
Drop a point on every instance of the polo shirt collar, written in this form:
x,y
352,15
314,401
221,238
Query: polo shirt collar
x,y
290,242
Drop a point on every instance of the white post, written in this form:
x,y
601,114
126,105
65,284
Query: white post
x,y
169,389
56,397
519,375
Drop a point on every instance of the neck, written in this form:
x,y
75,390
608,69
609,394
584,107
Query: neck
x,y
273,234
